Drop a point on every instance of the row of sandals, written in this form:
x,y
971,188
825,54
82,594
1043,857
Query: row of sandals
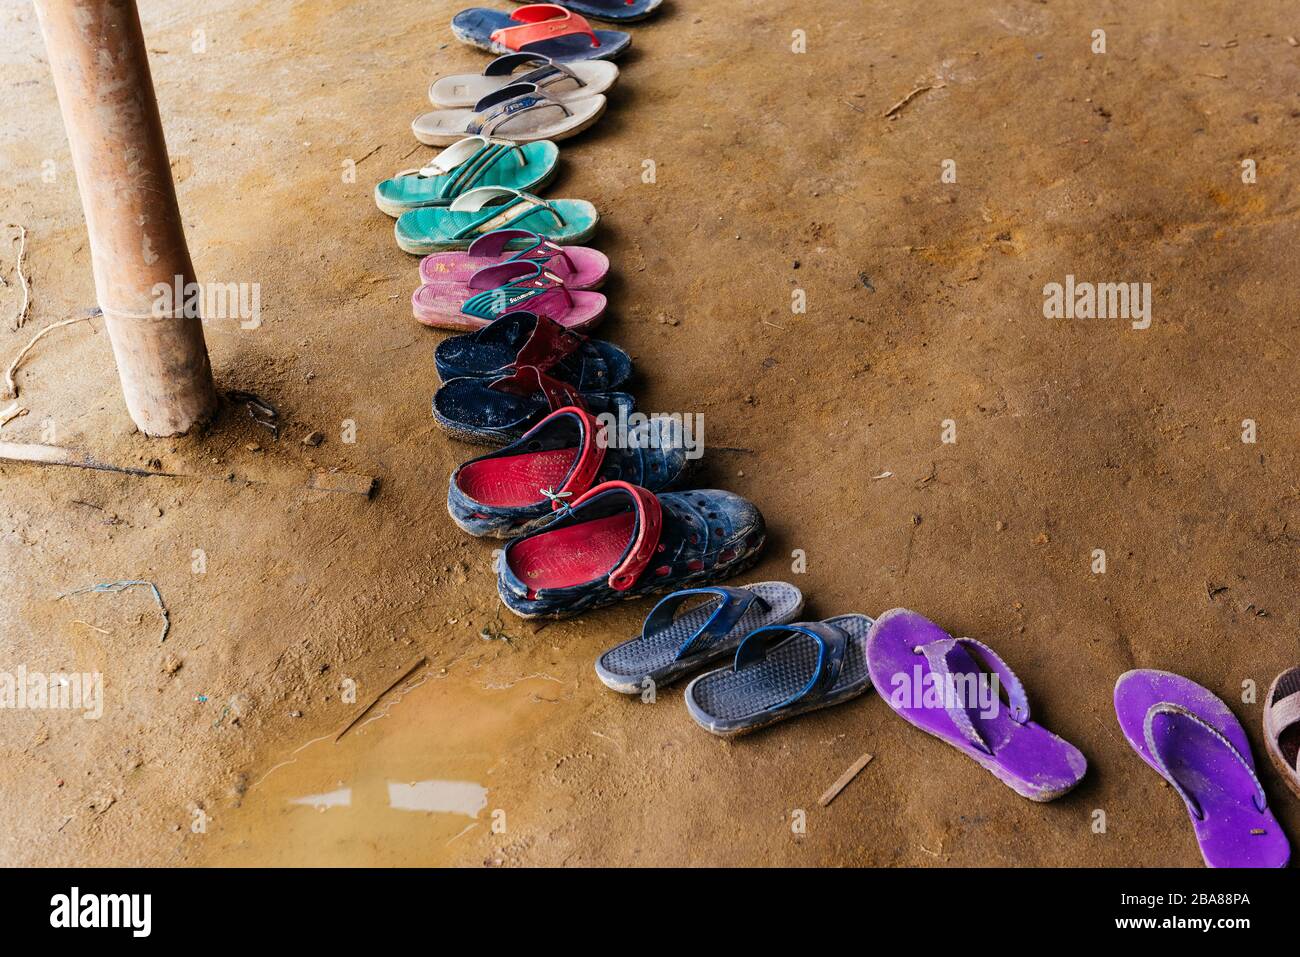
x,y
591,521
775,667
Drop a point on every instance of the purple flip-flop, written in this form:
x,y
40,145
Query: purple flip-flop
x,y
949,687
1196,743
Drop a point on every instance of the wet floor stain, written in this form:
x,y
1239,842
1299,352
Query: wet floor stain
x,y
421,782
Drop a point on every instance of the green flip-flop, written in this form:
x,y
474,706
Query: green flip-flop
x,y
429,229
469,164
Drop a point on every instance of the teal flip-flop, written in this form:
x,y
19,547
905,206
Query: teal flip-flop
x,y
429,229
469,164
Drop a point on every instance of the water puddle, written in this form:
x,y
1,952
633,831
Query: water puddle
x,y
417,783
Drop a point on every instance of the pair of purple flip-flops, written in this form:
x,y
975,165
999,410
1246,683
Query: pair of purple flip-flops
x,y
1193,741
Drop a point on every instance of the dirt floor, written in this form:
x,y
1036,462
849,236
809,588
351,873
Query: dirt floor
x,y
775,171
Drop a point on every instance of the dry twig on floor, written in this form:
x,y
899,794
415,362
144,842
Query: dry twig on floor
x,y
842,782
379,697
910,97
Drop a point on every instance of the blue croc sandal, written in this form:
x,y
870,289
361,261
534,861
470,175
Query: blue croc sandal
x,y
612,11
674,643
522,339
471,163
782,671
620,541
517,488
567,222
498,411
546,29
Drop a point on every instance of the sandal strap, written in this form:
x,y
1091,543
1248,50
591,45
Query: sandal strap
x,y
1173,709
1285,712
939,655
731,605
529,380
547,71
539,22
496,217
591,452
548,344
540,249
530,282
503,105
649,526
832,647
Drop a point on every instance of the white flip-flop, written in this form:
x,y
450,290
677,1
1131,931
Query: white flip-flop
x,y
560,81
519,112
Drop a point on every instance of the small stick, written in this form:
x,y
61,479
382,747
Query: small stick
x,y
11,413
11,387
374,701
833,791
910,97
21,317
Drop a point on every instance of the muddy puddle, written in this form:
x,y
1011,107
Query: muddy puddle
x,y
420,781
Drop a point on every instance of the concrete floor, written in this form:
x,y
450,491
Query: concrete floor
x,y
776,171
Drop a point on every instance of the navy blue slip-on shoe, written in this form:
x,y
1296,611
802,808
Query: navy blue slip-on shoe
x,y
621,541
516,488
522,339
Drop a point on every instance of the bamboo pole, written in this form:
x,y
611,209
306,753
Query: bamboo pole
x,y
137,241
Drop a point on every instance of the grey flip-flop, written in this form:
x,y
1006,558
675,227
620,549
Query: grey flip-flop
x,y
673,642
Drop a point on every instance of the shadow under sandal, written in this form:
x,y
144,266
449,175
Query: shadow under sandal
x,y
672,645
943,685
620,541
782,671
498,411
543,28
521,339
1193,741
514,489
1282,727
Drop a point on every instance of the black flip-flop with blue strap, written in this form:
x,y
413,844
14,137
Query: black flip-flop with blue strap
x,y
674,643
781,671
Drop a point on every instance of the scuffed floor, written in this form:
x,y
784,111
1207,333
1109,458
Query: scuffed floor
x,y
775,173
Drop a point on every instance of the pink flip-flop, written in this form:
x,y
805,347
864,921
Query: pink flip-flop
x,y
506,288
580,267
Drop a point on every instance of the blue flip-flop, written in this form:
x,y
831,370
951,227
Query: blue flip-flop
x,y
782,671
674,643
473,162
523,339
547,29
567,222
498,411
612,11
